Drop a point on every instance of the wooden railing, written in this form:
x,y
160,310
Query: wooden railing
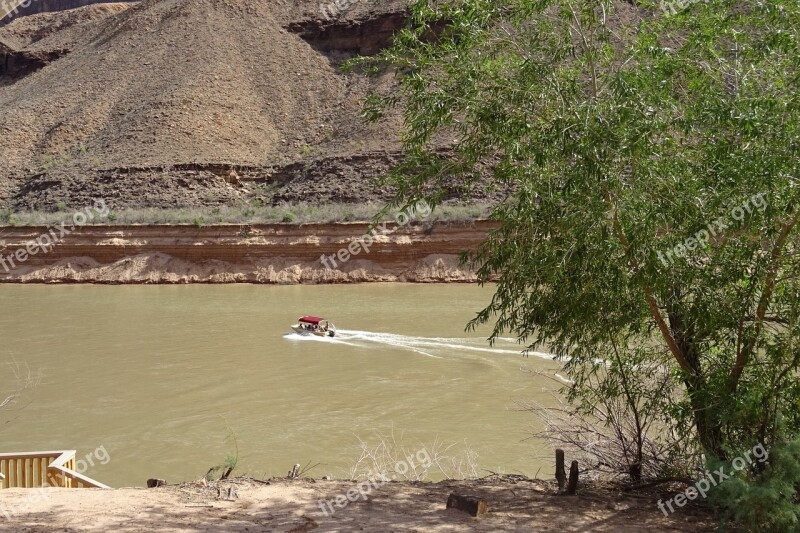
x,y
43,469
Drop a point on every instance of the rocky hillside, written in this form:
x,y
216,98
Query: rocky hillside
x,y
41,6
181,103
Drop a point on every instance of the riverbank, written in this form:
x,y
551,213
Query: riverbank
x,y
241,253
244,505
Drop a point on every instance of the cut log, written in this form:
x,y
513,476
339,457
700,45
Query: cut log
x,y
572,487
153,483
469,504
561,474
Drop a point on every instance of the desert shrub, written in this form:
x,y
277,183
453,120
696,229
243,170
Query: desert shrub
x,y
762,499
393,455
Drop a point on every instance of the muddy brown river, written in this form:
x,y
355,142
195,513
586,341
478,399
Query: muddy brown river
x,y
169,380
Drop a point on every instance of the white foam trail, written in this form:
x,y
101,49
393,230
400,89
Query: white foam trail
x,y
425,345
315,338
564,380
426,353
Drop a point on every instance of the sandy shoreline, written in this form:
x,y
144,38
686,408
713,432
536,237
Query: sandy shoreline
x,y
294,506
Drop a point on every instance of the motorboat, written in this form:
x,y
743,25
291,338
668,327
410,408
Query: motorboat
x,y
314,325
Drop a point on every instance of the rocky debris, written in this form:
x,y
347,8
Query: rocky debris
x,y
129,189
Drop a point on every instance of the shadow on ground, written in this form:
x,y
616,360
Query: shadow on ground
x,y
295,506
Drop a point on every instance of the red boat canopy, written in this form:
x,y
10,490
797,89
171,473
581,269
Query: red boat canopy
x,y
311,319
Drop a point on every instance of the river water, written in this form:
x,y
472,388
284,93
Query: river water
x,y
166,381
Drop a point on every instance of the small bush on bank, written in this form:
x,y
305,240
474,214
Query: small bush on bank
x,y
766,500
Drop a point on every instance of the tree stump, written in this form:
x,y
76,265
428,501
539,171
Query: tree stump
x,y
635,471
153,483
572,487
469,504
561,474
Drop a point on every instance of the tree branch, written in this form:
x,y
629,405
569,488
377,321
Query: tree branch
x,y
743,357
652,304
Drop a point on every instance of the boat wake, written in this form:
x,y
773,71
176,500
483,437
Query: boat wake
x,y
436,347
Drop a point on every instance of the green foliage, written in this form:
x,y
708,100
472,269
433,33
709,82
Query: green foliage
x,y
302,213
5,217
199,222
225,469
763,501
624,134
349,216
289,217
48,162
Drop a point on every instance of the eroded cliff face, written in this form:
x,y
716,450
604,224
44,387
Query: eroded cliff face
x,y
277,254
365,36
18,64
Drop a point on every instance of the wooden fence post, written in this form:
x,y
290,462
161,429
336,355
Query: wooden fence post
x,y
572,488
561,475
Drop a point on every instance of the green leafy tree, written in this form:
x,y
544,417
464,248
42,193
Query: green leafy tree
x,y
653,159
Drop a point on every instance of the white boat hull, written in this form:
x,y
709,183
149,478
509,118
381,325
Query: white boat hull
x,y
308,332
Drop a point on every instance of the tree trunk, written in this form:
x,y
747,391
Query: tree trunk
x,y
707,424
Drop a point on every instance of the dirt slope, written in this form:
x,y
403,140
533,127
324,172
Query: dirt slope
x,y
43,6
30,29
211,98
